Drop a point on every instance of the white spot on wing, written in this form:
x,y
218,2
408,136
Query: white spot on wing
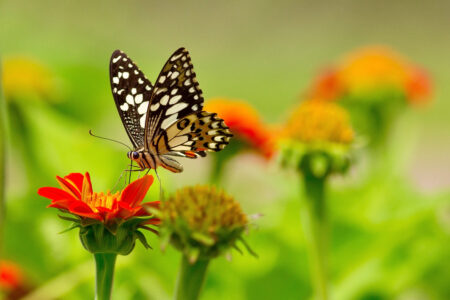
x,y
176,108
140,81
116,80
126,75
124,107
138,98
164,100
129,99
175,99
174,75
148,88
187,82
154,107
168,121
176,57
142,121
162,79
195,107
133,91
174,91
142,109
192,90
116,59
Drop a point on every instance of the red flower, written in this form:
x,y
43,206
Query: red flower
x,y
76,197
419,87
327,85
245,123
11,276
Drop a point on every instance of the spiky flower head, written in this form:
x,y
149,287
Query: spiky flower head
x,y
318,136
202,222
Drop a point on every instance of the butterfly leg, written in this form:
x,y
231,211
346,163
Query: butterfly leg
x,y
160,185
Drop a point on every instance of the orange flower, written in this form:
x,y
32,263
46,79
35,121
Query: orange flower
x,y
372,70
245,123
318,122
11,276
76,197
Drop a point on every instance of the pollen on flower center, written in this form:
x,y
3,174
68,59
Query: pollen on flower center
x,y
102,200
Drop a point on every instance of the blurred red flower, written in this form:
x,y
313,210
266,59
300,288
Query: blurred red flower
x,y
418,86
76,197
11,276
326,86
245,124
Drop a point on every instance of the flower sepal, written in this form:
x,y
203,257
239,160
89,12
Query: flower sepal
x,y
197,245
119,238
318,160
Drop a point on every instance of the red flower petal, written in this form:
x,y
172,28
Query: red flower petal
x,y
69,186
134,193
76,179
55,194
83,210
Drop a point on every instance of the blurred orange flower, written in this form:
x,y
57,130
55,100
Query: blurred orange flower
x,y
319,121
11,276
25,77
76,197
245,123
370,70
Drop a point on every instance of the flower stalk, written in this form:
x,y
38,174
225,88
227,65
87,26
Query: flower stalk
x,y
2,158
104,276
190,278
316,231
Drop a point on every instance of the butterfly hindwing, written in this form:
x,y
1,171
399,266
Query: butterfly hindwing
x,y
193,135
176,95
132,93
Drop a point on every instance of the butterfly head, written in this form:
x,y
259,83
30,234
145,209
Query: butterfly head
x,y
134,155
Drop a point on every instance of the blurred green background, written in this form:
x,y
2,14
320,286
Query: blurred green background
x,y
390,233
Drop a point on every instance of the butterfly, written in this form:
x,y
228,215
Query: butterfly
x,y
164,120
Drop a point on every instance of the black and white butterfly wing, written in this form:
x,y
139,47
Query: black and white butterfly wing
x,y
193,135
132,92
176,95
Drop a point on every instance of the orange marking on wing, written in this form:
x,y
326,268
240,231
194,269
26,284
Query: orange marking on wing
x,y
190,154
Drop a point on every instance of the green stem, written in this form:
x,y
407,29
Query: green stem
x,y
2,160
104,264
190,279
315,226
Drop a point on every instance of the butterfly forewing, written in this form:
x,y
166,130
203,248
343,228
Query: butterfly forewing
x,y
132,93
176,95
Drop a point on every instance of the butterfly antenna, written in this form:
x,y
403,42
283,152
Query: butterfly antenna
x,y
108,139
161,194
